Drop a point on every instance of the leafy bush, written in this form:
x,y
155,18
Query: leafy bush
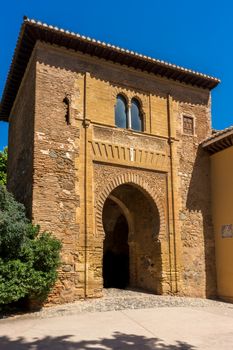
x,y
3,166
28,259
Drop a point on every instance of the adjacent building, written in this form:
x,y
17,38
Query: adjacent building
x,y
220,148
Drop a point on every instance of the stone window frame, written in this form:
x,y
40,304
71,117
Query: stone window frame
x,y
142,113
128,106
192,116
126,103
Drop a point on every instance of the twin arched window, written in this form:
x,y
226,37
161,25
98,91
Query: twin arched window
x,y
121,119
129,117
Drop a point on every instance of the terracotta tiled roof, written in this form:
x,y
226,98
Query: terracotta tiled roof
x,y
33,30
219,140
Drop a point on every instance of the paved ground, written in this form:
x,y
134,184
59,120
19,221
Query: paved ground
x,y
201,325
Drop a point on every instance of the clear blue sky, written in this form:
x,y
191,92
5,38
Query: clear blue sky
x,y
194,34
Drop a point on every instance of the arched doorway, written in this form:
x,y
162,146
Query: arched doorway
x,y
131,249
116,248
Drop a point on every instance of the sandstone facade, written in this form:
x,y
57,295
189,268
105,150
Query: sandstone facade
x,y
77,177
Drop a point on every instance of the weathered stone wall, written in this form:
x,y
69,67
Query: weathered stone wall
x,y
198,272
20,140
106,80
56,188
74,162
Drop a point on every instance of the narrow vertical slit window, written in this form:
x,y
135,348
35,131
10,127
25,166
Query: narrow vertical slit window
x,y
121,112
67,110
136,115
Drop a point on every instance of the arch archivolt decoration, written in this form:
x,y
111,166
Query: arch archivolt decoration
x,y
129,94
135,180
139,98
122,93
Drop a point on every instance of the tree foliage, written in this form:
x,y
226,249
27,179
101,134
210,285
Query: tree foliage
x,y
3,166
28,259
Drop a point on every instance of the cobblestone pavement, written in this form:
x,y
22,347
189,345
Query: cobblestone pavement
x,y
115,299
186,324
131,321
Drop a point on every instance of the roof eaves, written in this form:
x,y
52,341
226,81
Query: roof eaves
x,y
119,49
10,72
219,141
168,70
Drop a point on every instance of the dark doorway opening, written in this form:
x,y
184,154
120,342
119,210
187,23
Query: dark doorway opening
x,y
116,255
131,248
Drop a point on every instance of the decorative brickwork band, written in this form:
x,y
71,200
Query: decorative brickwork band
x,y
113,153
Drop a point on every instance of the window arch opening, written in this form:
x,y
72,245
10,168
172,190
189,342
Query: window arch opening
x,y
121,112
136,115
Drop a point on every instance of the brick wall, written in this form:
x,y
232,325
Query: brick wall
x,y
195,214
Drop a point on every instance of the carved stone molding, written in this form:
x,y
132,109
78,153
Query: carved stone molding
x,y
131,156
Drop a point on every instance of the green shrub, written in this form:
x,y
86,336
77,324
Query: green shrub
x,y
3,166
28,259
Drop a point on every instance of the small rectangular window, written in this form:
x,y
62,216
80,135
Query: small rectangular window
x,y
188,125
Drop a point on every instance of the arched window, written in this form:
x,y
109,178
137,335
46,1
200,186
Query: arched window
x,y
136,115
121,112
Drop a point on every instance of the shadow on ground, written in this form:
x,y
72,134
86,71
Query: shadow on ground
x,y
119,341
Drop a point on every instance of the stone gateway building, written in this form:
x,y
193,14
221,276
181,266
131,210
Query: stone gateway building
x,y
104,151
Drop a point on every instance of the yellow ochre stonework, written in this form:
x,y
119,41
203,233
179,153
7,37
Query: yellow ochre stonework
x,y
220,147
78,178
222,203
